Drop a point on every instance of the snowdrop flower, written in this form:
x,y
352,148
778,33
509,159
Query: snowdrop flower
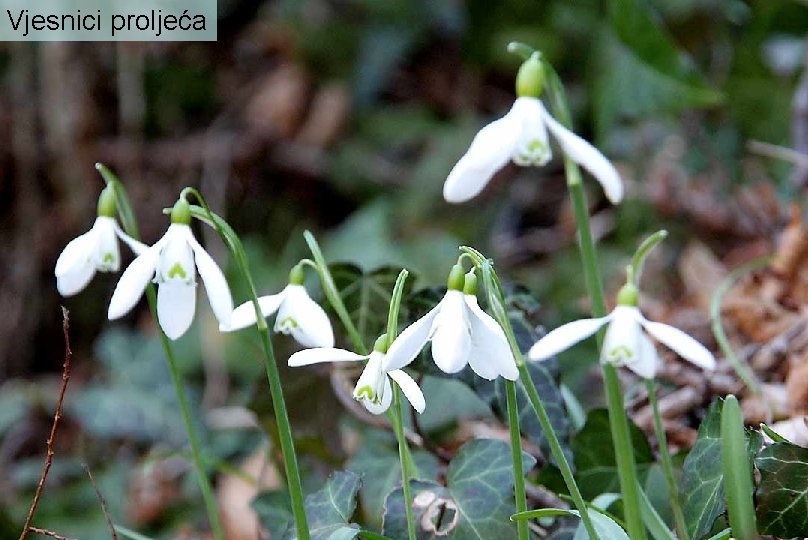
x,y
298,314
95,250
373,388
521,136
625,344
172,264
461,333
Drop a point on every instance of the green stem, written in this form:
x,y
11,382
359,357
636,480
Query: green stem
x,y
556,450
738,486
196,452
402,456
667,464
516,456
623,453
233,242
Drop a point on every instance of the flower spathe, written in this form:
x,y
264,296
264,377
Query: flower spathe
x,y
172,263
521,136
461,333
298,315
373,387
94,251
625,344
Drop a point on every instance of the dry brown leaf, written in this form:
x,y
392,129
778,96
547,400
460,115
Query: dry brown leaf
x,y
797,386
235,496
327,116
701,273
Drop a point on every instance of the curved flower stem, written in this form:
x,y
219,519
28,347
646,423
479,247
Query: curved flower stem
x,y
624,451
332,294
496,303
130,226
233,242
193,439
403,455
516,455
667,465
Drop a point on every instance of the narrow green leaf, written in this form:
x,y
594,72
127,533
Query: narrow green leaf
x,y
652,520
737,472
773,435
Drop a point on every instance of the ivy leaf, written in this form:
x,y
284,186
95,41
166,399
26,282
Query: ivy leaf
x,y
702,480
782,496
476,504
595,461
367,295
274,512
378,463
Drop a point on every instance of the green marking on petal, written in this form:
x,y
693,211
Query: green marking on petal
x,y
621,352
365,392
108,258
288,323
177,271
536,146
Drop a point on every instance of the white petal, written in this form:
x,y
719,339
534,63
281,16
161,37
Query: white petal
x,y
384,403
133,282
215,283
621,345
75,279
76,253
647,362
565,336
136,247
589,157
533,146
373,387
682,344
490,355
490,150
307,357
410,341
410,389
451,337
309,323
244,315
176,303
106,254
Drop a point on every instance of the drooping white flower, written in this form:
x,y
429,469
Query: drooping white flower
x,y
172,263
94,251
298,315
625,344
461,333
373,387
521,136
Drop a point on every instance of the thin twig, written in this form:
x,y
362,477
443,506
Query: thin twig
x,y
778,152
46,532
52,438
104,507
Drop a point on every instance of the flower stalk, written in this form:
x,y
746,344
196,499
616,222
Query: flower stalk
x,y
233,242
129,223
624,452
516,458
667,464
496,303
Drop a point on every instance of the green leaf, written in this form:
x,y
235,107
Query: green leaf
x,y
366,296
640,70
605,527
782,496
378,464
274,512
702,485
329,510
476,504
595,462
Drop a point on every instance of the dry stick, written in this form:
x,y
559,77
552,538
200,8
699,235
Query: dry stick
x,y
52,438
103,502
46,532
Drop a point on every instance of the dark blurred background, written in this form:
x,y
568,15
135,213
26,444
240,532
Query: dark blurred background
x,y
344,117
